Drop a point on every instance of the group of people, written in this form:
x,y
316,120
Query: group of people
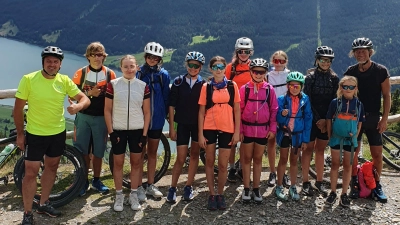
x,y
255,102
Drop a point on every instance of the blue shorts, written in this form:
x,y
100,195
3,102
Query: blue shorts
x,y
89,128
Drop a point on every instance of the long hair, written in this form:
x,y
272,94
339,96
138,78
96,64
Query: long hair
x,y
281,53
352,79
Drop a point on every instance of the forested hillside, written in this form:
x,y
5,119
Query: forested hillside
x,y
124,26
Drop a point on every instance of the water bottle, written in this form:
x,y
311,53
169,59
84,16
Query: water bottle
x,y
6,151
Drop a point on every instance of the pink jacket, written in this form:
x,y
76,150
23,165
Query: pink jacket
x,y
258,114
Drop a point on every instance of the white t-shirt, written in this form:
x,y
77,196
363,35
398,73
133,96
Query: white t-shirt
x,y
278,80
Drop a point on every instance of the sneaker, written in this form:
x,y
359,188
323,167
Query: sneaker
x,y
280,194
239,174
171,197
141,194
272,179
231,175
378,194
331,198
212,202
286,181
100,187
354,189
84,189
257,196
344,200
153,190
27,219
134,201
119,202
48,209
293,193
221,204
320,187
246,198
307,189
188,193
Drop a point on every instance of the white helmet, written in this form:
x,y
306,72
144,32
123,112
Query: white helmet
x,y
244,43
154,49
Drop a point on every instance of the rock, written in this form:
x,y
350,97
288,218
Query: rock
x,y
9,207
396,220
275,221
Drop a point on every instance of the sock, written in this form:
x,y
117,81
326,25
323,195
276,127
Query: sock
x,y
246,189
232,165
95,179
133,190
256,192
119,192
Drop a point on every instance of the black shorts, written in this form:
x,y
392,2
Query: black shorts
x,y
287,142
316,133
224,139
131,137
346,148
38,146
260,141
185,132
369,128
154,134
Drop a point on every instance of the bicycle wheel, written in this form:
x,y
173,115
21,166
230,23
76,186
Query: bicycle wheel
x,y
70,178
163,160
391,147
327,169
9,155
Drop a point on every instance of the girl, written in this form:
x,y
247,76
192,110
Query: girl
x,y
277,78
183,110
294,119
158,80
219,118
239,71
321,85
127,116
258,125
344,120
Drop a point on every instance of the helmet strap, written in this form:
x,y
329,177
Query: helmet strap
x,y
322,70
52,75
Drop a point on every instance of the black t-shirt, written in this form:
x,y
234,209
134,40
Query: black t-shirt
x,y
369,85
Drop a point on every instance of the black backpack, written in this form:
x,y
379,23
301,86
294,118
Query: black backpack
x,y
210,91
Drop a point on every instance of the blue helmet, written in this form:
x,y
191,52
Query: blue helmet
x,y
195,56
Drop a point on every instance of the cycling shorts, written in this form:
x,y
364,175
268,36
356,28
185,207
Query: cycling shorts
x,y
316,133
185,132
287,142
154,134
346,148
224,138
130,137
38,146
369,128
260,141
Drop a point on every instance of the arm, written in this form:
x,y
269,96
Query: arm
x,y
83,103
172,132
19,122
202,141
329,128
308,91
273,110
166,89
147,115
236,108
108,105
382,125
281,119
308,119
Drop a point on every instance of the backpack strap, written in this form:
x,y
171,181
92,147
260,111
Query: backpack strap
x,y
108,75
233,71
210,91
231,90
83,77
247,93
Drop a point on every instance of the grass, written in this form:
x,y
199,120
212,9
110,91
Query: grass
x,y
292,46
114,61
200,39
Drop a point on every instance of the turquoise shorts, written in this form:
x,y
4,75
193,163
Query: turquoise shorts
x,y
89,128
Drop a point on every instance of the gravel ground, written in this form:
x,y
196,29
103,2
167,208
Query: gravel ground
x,y
94,208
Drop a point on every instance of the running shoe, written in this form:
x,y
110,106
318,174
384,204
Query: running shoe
x,y
378,194
171,197
344,200
293,193
272,179
280,194
331,198
307,189
188,193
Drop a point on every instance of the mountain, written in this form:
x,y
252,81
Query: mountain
x,y
211,27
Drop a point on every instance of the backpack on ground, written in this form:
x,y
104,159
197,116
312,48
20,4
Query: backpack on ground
x,y
367,169
364,191
83,76
210,91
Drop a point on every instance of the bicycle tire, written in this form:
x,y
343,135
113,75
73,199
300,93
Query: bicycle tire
x,y
166,149
391,147
66,195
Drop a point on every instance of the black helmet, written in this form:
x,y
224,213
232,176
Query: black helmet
x,y
324,51
362,42
53,51
259,62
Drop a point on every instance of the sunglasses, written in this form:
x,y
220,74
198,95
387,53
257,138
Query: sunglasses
x,y
218,66
294,86
153,57
247,52
324,60
279,61
97,54
259,72
193,66
348,87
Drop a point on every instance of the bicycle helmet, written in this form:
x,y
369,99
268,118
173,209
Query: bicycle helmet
x,y
362,42
154,49
53,51
196,56
324,51
295,76
244,43
259,62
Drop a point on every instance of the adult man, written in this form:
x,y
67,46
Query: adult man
x,y
45,91
373,82
90,127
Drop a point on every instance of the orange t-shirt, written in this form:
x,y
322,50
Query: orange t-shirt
x,y
295,108
220,116
241,78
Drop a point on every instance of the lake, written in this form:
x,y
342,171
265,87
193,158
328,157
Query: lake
x,y
18,58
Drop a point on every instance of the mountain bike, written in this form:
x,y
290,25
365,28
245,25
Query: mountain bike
x,y
390,153
9,154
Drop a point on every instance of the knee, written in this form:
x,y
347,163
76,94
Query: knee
x,y
222,168
194,155
283,160
335,165
180,161
257,161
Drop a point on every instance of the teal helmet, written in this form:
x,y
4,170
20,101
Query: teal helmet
x,y
295,76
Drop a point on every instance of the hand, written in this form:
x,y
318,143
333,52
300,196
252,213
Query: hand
x,y
143,141
235,138
285,112
172,134
382,125
270,135
303,146
21,140
202,141
241,137
95,91
321,123
73,108
114,138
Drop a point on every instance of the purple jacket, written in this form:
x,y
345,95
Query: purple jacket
x,y
259,112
